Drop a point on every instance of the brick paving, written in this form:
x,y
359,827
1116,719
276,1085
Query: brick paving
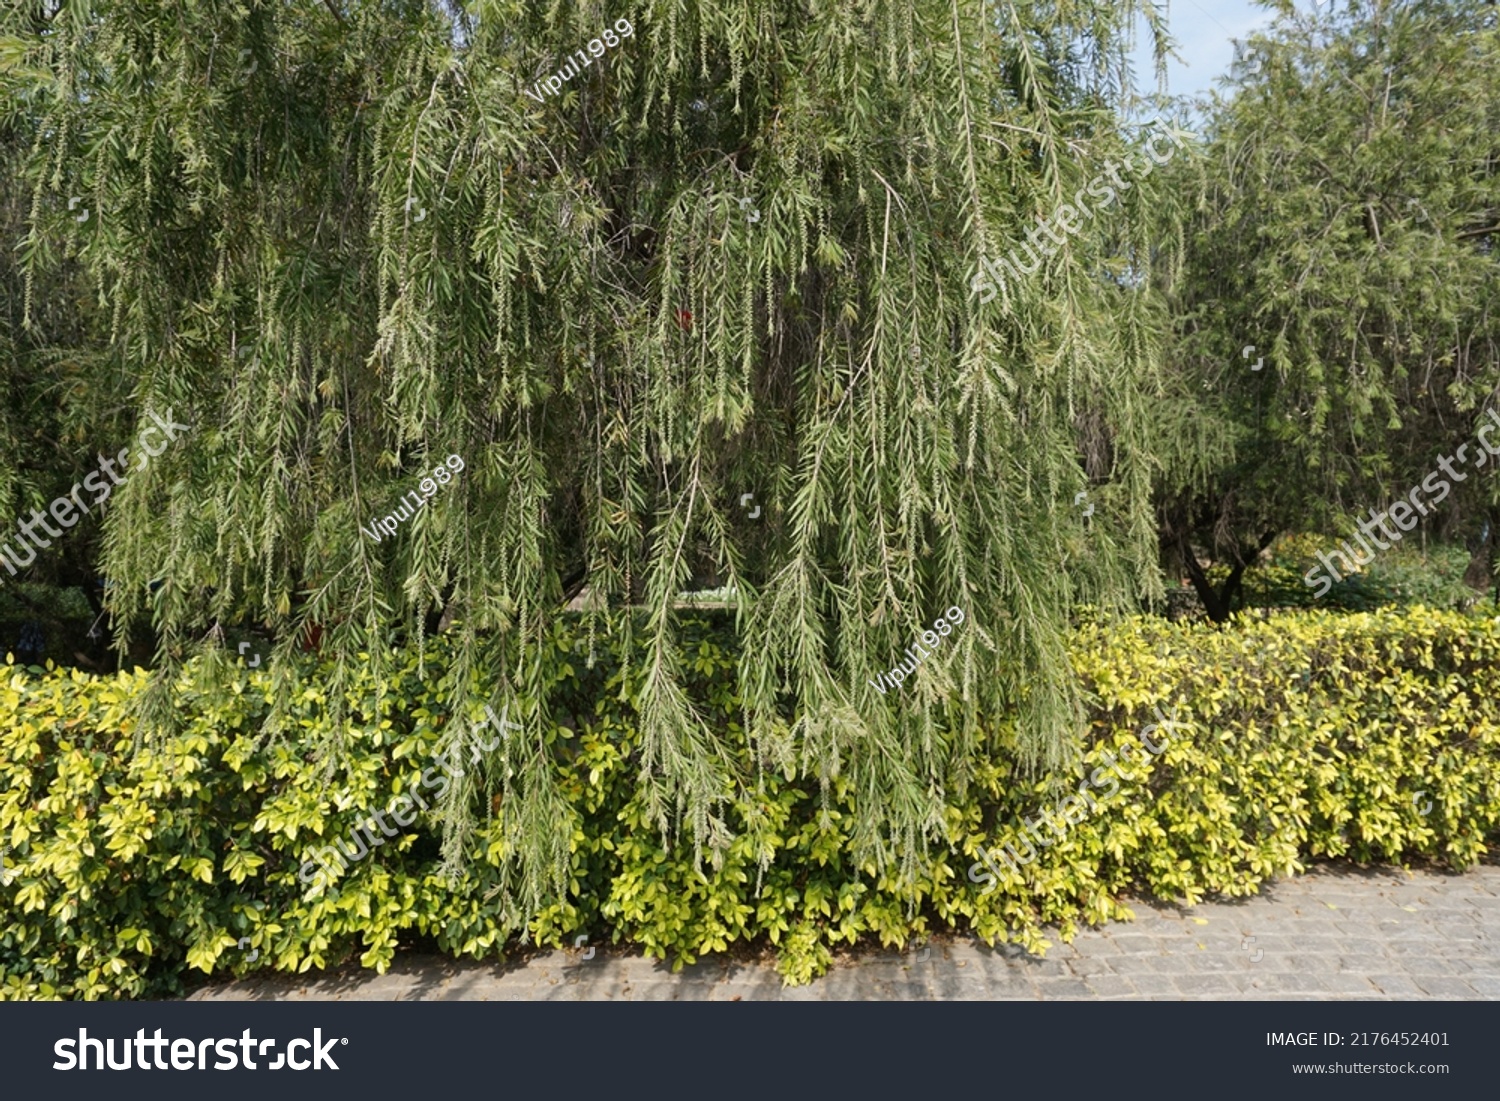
x,y
1334,933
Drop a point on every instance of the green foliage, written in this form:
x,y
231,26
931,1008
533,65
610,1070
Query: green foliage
x,y
343,242
1402,577
1311,735
1349,213
1407,578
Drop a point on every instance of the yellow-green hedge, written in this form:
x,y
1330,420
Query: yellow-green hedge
x,y
1311,735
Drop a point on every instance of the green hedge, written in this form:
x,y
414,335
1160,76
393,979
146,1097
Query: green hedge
x,y
1312,735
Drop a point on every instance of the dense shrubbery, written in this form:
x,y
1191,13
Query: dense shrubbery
x,y
1401,577
1311,736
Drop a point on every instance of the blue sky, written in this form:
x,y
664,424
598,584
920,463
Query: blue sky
x,y
1202,29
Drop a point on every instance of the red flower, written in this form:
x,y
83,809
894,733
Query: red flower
x,y
685,320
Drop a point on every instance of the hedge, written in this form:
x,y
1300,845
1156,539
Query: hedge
x,y
130,871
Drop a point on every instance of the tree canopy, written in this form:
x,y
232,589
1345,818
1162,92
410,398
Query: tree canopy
x,y
1339,306
732,255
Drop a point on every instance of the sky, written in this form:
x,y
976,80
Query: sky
x,y
1202,29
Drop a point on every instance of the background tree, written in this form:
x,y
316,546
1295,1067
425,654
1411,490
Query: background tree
x,y
1346,238
63,401
344,242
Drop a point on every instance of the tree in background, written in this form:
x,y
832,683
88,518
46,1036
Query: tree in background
x,y
734,254
1340,301
63,401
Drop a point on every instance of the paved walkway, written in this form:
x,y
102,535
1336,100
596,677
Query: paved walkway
x,y
1334,933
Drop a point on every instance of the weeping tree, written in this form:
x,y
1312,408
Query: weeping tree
x,y
734,253
1340,301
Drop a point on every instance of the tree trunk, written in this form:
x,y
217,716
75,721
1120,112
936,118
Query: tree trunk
x,y
1220,604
